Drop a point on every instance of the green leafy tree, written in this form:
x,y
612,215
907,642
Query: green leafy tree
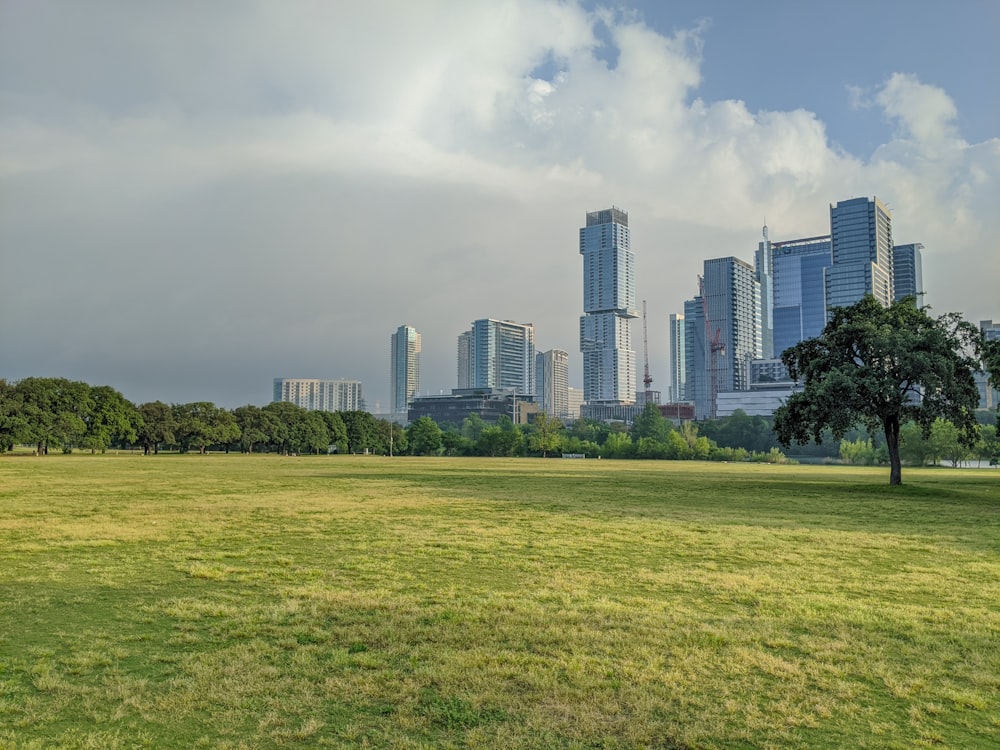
x,y
547,435
13,425
991,363
53,411
336,429
914,447
857,452
155,426
882,366
454,443
309,434
424,437
946,443
651,424
472,427
112,418
201,424
362,432
288,415
988,448
257,426
617,445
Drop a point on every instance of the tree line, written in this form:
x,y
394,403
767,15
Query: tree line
x,y
56,413
60,414
901,378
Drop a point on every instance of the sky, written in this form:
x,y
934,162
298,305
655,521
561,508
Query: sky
x,y
196,198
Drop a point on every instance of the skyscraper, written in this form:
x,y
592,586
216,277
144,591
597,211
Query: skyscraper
x,y
609,374
552,388
696,357
405,367
722,332
677,359
799,300
764,268
501,354
465,359
861,243
907,272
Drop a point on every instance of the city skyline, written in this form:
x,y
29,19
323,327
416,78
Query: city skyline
x,y
195,203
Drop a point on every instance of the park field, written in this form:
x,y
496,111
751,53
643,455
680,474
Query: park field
x,y
367,602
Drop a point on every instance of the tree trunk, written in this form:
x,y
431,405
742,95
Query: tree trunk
x,y
891,426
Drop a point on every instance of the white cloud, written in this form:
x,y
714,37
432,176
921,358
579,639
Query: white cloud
x,y
282,189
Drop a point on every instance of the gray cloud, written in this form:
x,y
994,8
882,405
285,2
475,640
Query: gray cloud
x,y
196,199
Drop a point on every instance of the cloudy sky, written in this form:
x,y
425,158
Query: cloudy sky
x,y
197,197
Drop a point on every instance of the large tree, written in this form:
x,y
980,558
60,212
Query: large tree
x,y
156,426
52,411
424,436
882,366
111,418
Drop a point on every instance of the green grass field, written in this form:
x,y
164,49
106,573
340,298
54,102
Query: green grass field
x,y
269,602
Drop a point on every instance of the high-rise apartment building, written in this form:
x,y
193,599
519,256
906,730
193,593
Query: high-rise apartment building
x,y
677,359
798,269
722,332
609,370
320,395
500,354
861,245
404,356
907,272
465,360
552,382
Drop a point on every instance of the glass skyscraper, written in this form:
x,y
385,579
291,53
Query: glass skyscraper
x,y
722,332
678,375
609,374
500,354
552,389
798,271
907,272
404,359
861,245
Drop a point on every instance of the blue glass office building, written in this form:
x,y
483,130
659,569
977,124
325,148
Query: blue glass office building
x,y
609,374
861,245
907,272
798,272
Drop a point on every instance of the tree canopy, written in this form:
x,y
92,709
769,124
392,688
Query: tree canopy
x,y
882,366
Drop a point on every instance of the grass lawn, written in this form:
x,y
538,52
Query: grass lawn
x,y
272,602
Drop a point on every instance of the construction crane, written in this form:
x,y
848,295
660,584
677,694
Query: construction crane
x,y
717,348
647,379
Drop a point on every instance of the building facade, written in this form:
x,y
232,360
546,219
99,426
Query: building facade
x,y
908,272
861,250
763,266
552,386
404,366
465,359
799,296
320,395
678,392
609,364
696,358
489,403
497,354
732,299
